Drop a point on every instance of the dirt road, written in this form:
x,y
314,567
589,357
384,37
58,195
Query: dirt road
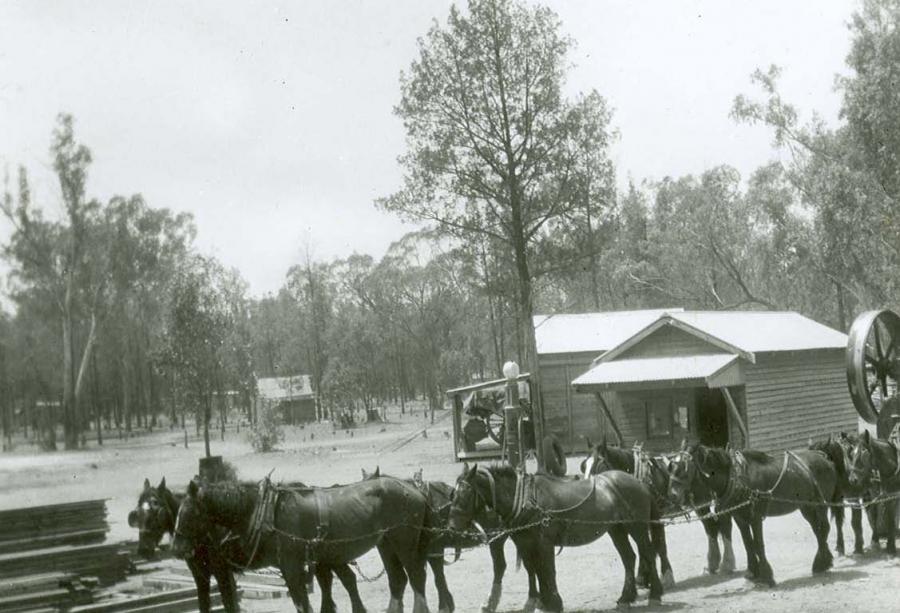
x,y
590,577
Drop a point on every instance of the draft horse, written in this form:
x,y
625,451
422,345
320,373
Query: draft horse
x,y
295,528
838,450
653,472
757,486
155,516
439,496
541,512
875,463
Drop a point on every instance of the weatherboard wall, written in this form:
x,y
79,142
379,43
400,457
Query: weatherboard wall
x,y
794,396
570,416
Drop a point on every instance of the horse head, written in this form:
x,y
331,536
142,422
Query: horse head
x,y
861,464
597,460
153,516
683,468
193,525
468,500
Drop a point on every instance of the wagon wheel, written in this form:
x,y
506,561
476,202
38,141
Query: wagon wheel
x,y
873,361
496,426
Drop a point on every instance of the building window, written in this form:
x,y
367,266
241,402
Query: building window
x,y
659,419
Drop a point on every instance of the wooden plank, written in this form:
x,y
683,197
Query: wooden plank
x,y
736,415
610,419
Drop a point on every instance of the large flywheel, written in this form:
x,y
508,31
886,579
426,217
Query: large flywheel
x,y
873,361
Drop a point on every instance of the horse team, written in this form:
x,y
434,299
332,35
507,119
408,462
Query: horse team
x,y
226,527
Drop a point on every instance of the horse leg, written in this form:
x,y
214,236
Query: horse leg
x,y
445,598
713,555
227,585
658,539
546,563
890,511
619,536
641,536
837,513
529,561
348,579
498,560
412,558
750,547
873,512
200,570
856,524
723,522
396,579
294,576
765,569
325,580
816,517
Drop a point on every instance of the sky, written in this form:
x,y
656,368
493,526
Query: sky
x,y
272,122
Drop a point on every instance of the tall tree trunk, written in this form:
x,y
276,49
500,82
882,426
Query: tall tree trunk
x,y
70,433
96,397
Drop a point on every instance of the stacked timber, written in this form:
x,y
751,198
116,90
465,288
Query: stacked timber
x,y
170,601
52,557
55,525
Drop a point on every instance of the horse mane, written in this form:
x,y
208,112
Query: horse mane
x,y
619,455
231,500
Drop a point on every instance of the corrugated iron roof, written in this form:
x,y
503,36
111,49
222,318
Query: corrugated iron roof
x,y
648,370
296,387
598,332
756,331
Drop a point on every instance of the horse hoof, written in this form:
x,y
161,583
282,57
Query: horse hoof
x,y
623,606
530,605
654,602
668,579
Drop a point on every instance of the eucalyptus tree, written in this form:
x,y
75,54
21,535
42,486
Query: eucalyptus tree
x,y
490,136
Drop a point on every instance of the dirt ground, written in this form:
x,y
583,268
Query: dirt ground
x,y
590,577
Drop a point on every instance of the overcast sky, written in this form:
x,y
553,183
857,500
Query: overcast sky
x,y
272,122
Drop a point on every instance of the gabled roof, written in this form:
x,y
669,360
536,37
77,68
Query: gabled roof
x,y
697,368
296,387
590,332
744,333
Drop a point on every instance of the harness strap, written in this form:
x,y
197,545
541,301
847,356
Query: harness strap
x,y
809,473
787,458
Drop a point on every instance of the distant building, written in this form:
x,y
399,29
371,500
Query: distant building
x,y
292,396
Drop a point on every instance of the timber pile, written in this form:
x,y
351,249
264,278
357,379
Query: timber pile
x,y
74,523
169,601
52,557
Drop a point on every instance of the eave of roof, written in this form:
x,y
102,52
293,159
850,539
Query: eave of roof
x,y
697,369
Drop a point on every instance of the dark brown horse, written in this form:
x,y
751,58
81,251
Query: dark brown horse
x,y
756,485
542,512
838,450
653,471
155,516
295,528
439,496
875,464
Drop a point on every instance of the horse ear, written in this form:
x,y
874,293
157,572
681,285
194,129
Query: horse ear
x,y
472,471
363,471
465,469
162,484
590,446
377,472
147,487
864,437
192,489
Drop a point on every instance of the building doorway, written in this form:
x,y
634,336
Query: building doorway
x,y
712,418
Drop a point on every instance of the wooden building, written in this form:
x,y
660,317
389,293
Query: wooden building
x,y
293,397
765,380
